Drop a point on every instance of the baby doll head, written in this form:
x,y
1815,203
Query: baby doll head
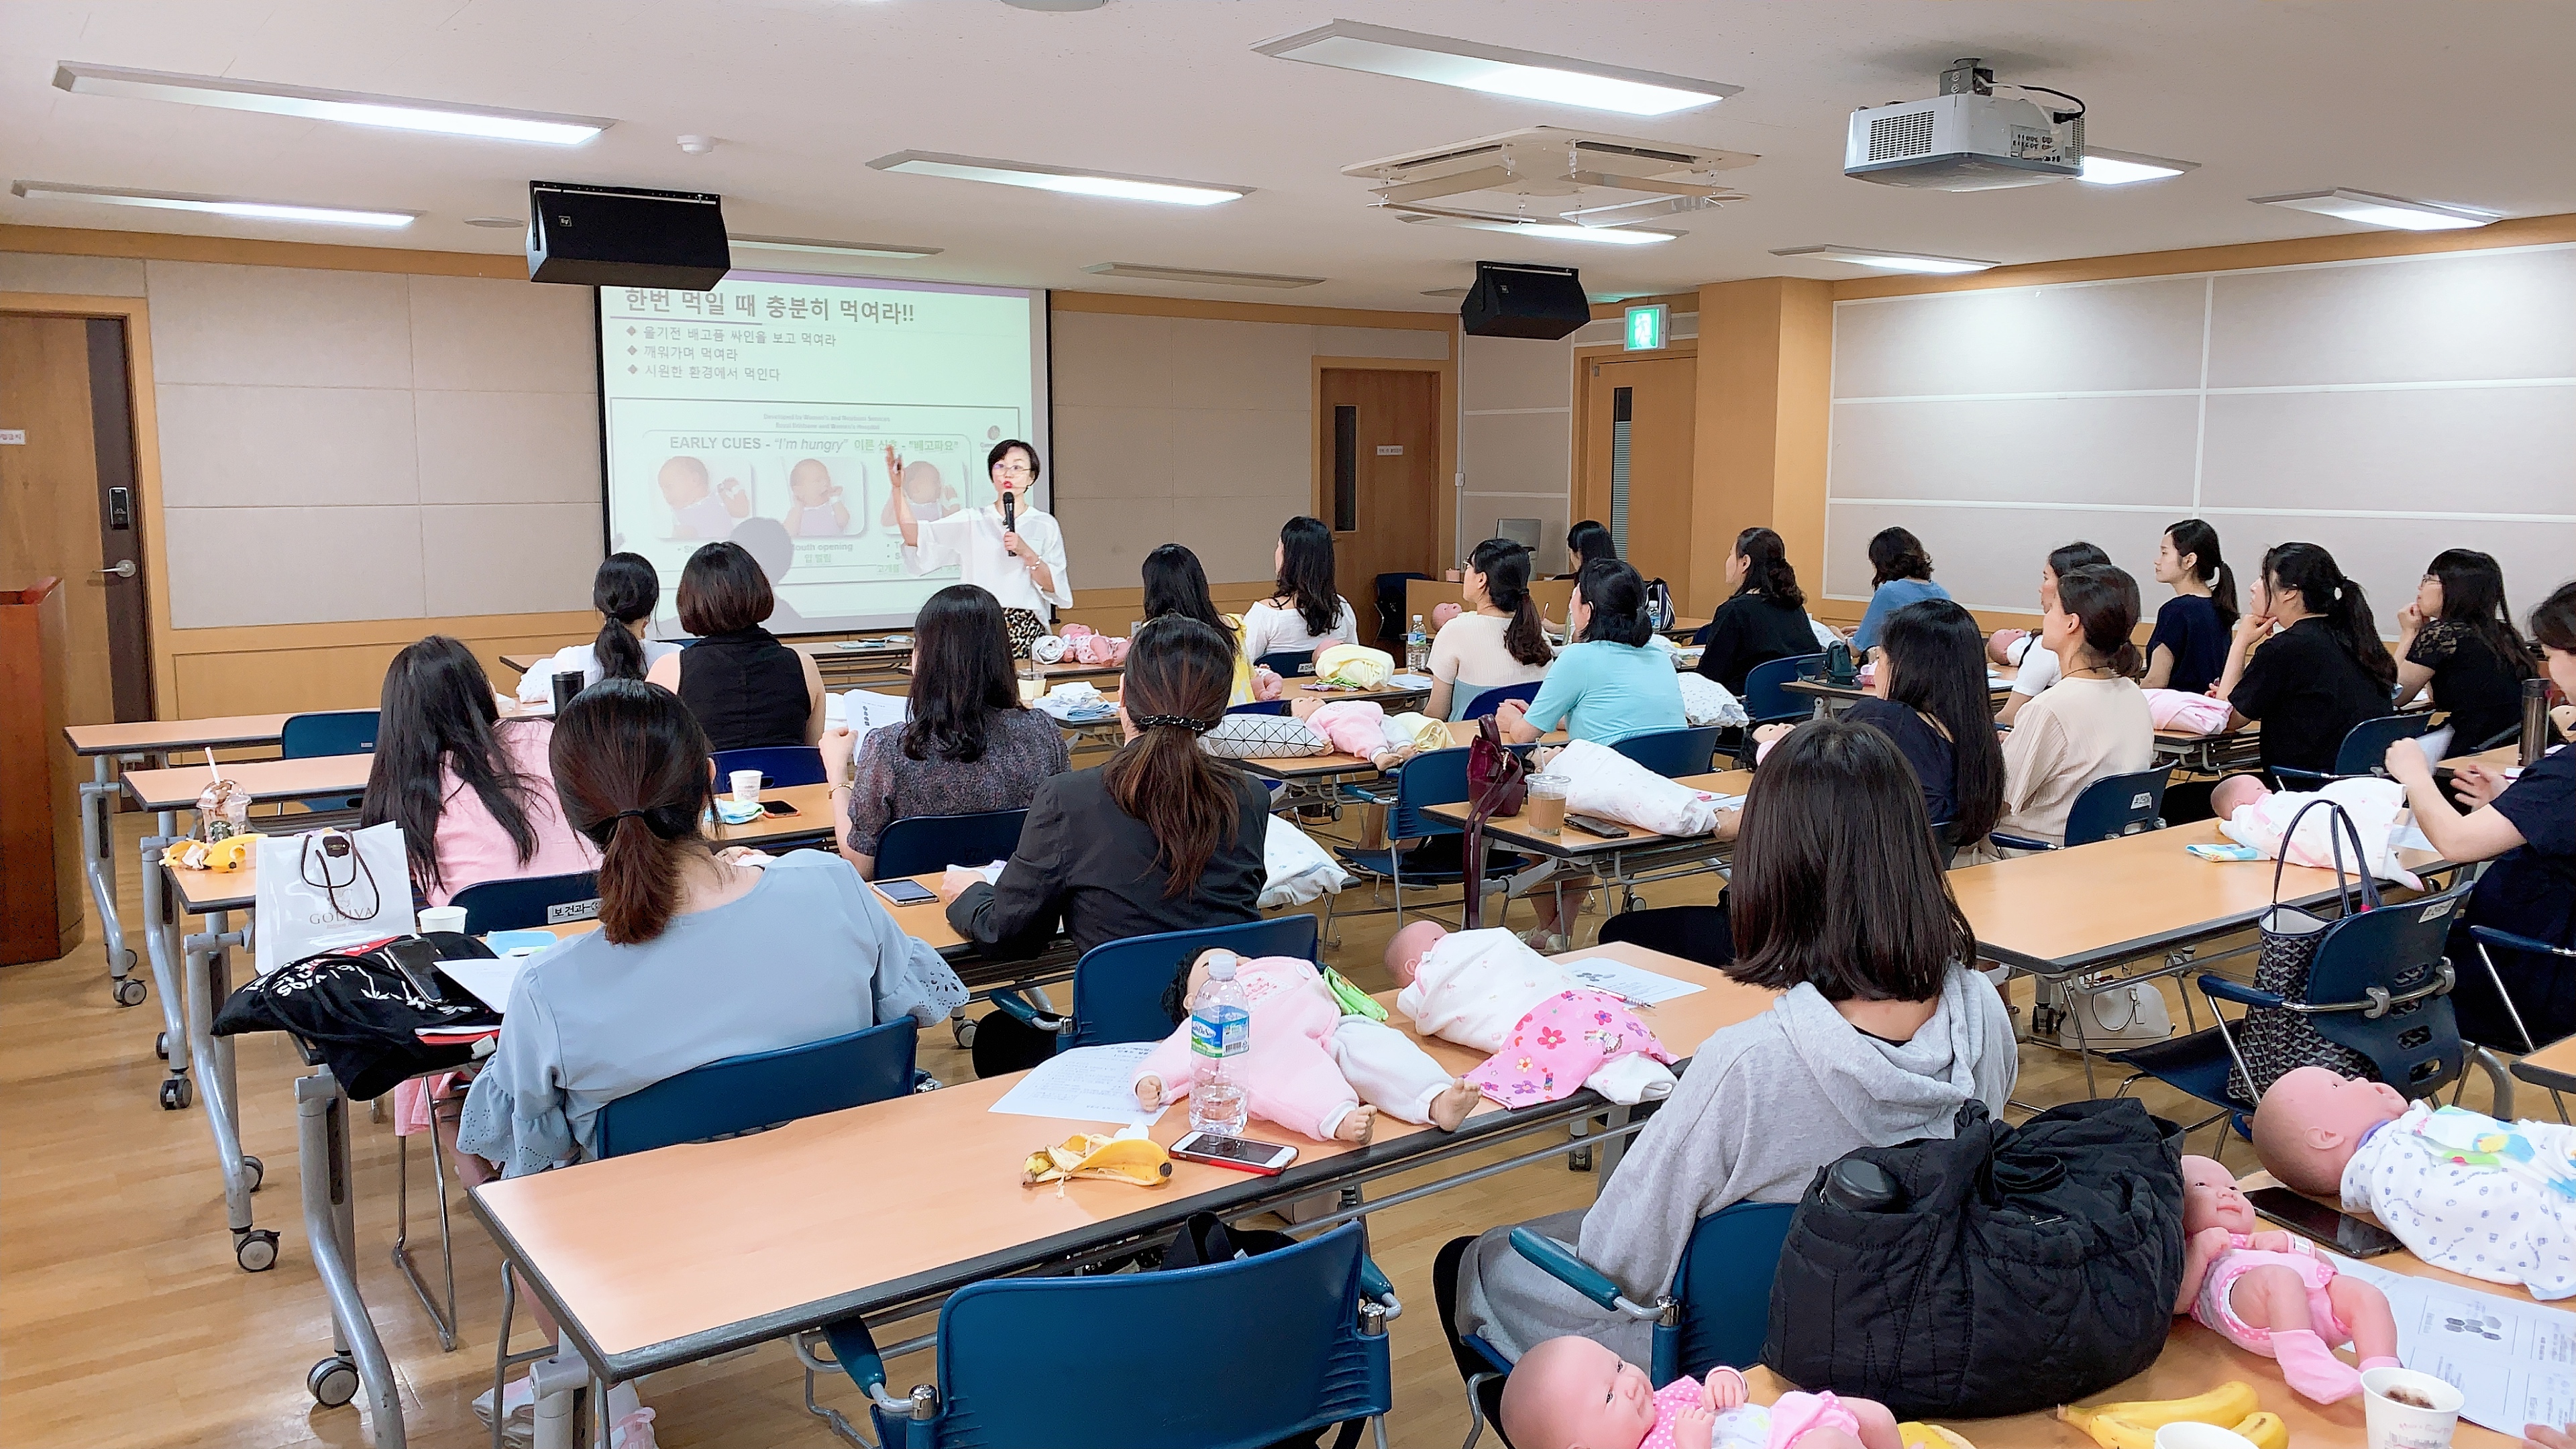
x,y
1405,950
2210,1198
684,481
1999,645
1442,613
810,481
1187,979
922,483
1572,1393
2236,792
2310,1121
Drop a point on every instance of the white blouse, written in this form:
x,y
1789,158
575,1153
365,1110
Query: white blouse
x,y
1269,629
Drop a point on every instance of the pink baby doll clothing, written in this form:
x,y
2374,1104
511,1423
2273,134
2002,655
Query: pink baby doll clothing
x,y
1560,1044
1355,726
1793,1414
2214,1312
1308,1065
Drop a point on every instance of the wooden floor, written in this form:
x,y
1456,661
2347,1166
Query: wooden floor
x,y
124,1322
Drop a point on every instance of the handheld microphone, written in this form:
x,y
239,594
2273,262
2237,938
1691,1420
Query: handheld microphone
x,y
1010,511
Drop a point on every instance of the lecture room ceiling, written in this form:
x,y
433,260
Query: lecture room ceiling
x,y
2458,103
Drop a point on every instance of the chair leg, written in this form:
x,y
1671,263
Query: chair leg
x,y
501,1354
2503,1080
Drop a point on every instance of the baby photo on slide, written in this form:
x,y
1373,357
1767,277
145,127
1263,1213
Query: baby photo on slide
x,y
925,483
703,507
817,505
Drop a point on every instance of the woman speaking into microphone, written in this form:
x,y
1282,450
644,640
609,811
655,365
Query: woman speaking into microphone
x,y
1012,550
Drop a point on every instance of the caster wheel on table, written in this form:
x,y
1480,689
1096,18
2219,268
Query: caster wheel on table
x,y
1579,1160
256,1169
256,1250
161,1045
129,992
176,1094
334,1382
964,1028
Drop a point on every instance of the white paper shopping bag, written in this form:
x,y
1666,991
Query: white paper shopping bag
x,y
326,890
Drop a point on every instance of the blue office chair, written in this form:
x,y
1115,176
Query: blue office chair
x,y
1487,700
1765,702
517,905
1438,778
1086,1362
1288,663
1118,985
2110,807
2364,750
1673,753
328,732
779,765
1259,706
2490,940
919,843
1694,933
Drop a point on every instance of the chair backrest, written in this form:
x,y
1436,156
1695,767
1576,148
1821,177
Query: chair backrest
x,y
2116,805
1086,1362
2398,949
1694,933
1259,706
1673,753
327,732
1391,622
919,843
1118,985
2365,746
1765,700
1724,1284
1288,663
779,765
1438,778
1486,699
537,900
763,1089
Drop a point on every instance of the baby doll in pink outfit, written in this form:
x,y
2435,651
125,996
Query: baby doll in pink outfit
x,y
1572,1393
2273,1293
1550,1034
1310,1068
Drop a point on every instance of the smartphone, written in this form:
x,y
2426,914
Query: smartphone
x,y
777,807
905,892
2349,1236
1594,825
1240,1153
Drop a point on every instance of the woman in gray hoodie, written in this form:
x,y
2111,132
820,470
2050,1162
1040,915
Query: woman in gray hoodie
x,y
1880,1034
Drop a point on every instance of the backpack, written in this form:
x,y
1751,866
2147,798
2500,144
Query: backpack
x,y
363,1009
2017,1268
1659,603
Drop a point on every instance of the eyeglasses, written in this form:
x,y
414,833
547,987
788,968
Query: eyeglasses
x,y
1020,470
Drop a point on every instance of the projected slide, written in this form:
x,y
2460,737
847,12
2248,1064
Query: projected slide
x,y
782,411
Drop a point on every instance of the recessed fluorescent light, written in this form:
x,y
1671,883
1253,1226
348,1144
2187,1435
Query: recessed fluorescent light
x,y
2119,168
2372,209
1060,178
354,107
1624,236
1885,260
218,205
895,250
1192,274
1496,70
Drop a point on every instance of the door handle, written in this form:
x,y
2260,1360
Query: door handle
x,y
122,568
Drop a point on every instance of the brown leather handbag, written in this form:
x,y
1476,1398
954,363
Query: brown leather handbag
x,y
1497,784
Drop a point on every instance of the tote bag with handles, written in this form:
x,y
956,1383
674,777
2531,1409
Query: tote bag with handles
x,y
1497,784
2276,1040
327,890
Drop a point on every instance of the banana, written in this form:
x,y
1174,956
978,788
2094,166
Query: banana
x,y
2111,1431
2229,1403
1137,1160
1915,1434
2266,1430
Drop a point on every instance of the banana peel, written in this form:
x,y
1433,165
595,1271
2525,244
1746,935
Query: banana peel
x,y
1915,1434
228,854
1139,1161
2132,1424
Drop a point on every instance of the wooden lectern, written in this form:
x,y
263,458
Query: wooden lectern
x,y
40,868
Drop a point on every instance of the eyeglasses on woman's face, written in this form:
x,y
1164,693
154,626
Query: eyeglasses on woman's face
x,y
1012,469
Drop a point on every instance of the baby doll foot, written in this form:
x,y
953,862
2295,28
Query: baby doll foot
x,y
1358,1125
1453,1104
2311,1368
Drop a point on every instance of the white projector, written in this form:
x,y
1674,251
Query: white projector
x,y
1967,142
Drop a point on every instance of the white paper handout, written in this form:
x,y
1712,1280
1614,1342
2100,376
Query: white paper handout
x,y
2514,1360
1086,1084
489,980
1601,973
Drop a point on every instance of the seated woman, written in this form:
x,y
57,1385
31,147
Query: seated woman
x,y
2528,828
1900,574
2189,645
1305,614
2458,637
1497,641
968,746
1163,837
624,591
2033,668
745,688
1765,618
1175,583
1928,694
1587,540
1880,1035
2322,673
2093,721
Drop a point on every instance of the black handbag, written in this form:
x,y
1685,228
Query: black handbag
x,y
2274,1040
363,1010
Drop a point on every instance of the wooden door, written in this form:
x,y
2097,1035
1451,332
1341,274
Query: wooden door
x,y
1636,466
1379,442
62,385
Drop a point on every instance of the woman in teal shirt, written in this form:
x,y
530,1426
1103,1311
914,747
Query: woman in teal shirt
x,y
1609,684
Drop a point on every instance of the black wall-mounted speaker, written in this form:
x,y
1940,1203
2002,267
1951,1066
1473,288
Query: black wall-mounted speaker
x,y
1510,300
616,236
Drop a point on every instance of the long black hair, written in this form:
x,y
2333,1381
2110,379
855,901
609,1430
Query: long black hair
x,y
1585,542
2104,599
1506,567
2198,542
1176,584
1895,553
624,590
961,673
437,713
2473,597
1766,568
631,769
1178,675
1616,596
2554,622
2337,602
1306,573
1940,663
1836,884
2068,557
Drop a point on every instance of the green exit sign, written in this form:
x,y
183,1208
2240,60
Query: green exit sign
x,y
1646,328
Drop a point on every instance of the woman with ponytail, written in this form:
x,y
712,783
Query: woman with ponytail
x,y
1765,618
2188,650
2093,721
1495,643
624,591
1164,837
2322,673
697,957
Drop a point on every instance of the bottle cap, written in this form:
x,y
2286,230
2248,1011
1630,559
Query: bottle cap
x,y
1859,1185
1221,966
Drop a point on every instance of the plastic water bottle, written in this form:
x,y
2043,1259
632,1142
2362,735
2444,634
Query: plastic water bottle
x,y
1417,648
1220,1033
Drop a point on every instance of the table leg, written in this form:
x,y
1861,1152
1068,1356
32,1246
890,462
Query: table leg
x,y
322,1158
209,958
98,862
161,943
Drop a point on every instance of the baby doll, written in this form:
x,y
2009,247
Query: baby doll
x,y
1572,1393
699,509
1550,1033
2463,1191
819,511
2252,813
2006,647
1310,1068
2274,1293
1363,728
1442,613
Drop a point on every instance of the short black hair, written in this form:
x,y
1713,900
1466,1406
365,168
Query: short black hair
x,y
723,590
1176,995
1003,449
1897,554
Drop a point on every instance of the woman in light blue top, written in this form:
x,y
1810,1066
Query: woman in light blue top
x,y
1900,574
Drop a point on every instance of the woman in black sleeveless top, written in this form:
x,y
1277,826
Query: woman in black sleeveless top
x,y
745,687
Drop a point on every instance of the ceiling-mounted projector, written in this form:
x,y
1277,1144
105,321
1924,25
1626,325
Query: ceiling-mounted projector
x,y
1967,138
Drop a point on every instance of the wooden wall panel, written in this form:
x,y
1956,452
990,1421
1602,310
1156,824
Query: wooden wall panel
x,y
338,666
